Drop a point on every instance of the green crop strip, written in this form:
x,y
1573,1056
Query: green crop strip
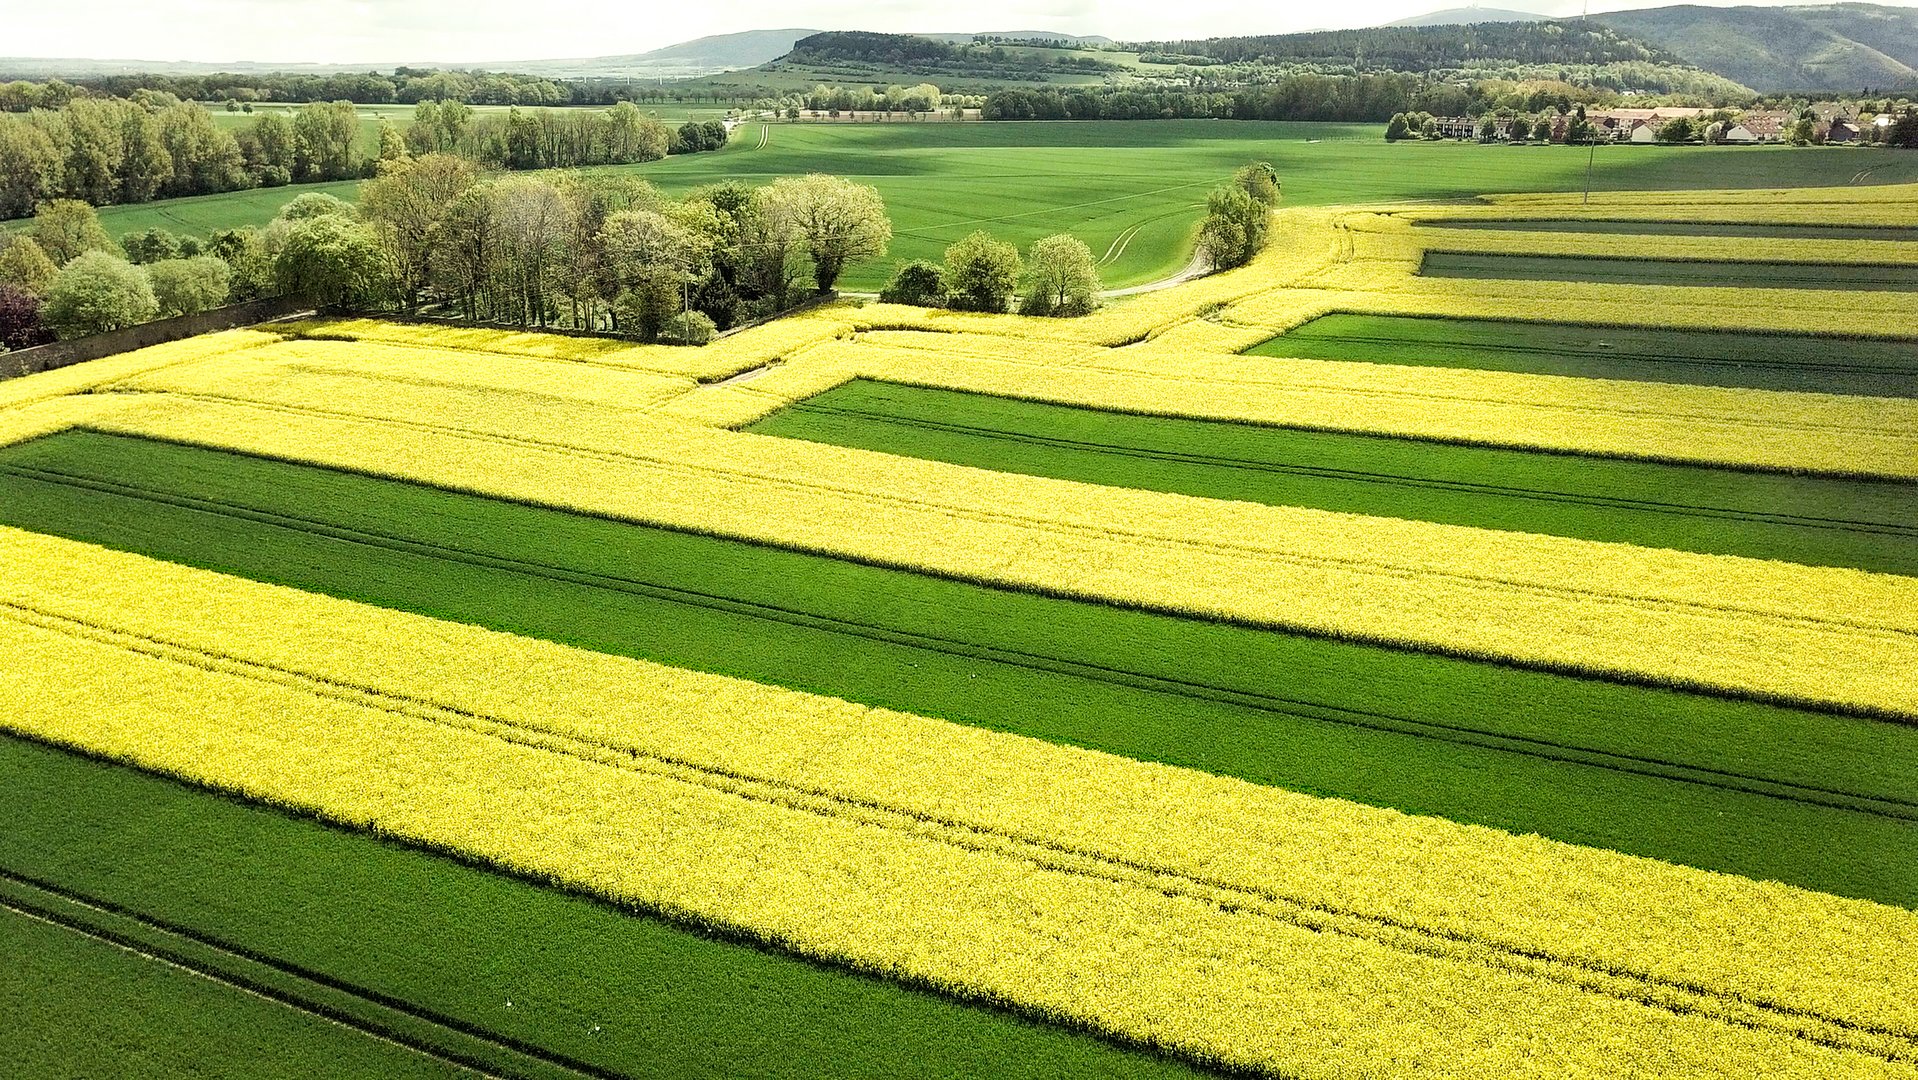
x,y
1711,274
1816,520
79,1003
1779,230
1740,786
1873,367
427,950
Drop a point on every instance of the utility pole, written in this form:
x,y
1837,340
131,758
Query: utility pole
x,y
1589,160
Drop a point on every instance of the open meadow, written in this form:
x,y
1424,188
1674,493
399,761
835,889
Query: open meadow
x,y
1345,665
1134,192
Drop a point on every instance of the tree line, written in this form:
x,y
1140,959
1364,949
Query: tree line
x,y
107,151
435,235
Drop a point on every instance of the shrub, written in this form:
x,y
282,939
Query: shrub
x,y
97,292
920,284
981,273
688,328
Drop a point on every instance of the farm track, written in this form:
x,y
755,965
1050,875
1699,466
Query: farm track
x,y
1891,807
1682,509
449,1040
1618,982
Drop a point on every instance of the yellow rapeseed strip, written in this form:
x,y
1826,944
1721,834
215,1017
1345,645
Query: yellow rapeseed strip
x,y
80,378
1236,924
1874,437
1669,617
752,348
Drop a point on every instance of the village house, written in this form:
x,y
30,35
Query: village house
x,y
1766,126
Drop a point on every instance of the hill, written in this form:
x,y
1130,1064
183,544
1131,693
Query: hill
x,y
1829,47
1584,53
1468,15
701,56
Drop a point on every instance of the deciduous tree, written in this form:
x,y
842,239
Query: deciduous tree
x,y
66,228
836,220
1060,278
981,273
189,286
97,292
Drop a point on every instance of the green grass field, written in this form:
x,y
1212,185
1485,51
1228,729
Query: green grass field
x,y
1781,361
78,1005
1809,798
1684,228
1104,181
1809,519
1628,271
453,960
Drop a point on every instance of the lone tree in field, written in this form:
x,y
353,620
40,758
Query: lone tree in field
x,y
97,292
1235,227
837,221
1060,278
981,273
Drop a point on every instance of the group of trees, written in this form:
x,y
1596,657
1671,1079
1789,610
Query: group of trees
x,y
405,87
1239,216
550,138
64,277
434,235
1057,277
586,251
105,151
114,150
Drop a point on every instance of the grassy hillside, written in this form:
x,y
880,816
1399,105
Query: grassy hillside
x,y
1827,47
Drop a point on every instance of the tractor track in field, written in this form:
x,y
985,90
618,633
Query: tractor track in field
x,y
378,1016
1393,479
1564,753
1065,857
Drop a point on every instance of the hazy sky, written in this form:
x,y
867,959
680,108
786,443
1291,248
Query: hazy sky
x,y
394,31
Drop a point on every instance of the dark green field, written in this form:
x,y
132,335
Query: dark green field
x,y
1809,798
1684,228
1825,365
1819,520
1481,266
76,1006
422,949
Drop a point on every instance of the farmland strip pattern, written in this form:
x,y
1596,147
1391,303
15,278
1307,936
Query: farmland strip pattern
x,y
1080,444
1048,678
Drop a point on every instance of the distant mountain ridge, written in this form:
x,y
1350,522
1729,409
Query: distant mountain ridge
x,y
1465,16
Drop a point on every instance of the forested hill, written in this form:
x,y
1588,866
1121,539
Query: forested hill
x,y
1839,47
1432,48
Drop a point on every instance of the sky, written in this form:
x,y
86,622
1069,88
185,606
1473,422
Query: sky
x,y
385,32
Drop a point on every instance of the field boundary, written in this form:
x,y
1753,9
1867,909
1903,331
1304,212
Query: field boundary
x,y
100,346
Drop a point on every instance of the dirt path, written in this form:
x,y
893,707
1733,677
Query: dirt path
x,y
1199,267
